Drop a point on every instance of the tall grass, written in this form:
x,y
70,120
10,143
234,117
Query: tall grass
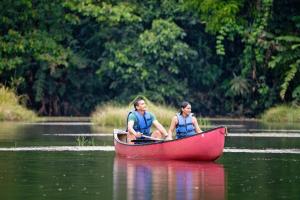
x,y
11,109
83,141
204,123
110,115
116,115
282,113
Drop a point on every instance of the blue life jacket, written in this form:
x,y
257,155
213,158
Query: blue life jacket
x,y
185,126
144,122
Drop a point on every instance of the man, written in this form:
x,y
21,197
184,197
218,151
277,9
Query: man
x,y
139,123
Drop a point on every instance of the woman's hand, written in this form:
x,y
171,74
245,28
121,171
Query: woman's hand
x,y
169,137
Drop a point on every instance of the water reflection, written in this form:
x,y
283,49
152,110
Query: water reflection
x,y
152,179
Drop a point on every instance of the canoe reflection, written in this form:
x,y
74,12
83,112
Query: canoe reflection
x,y
154,179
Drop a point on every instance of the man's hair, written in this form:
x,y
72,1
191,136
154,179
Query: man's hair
x,y
136,102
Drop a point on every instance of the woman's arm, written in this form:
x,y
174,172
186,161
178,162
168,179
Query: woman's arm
x,y
196,125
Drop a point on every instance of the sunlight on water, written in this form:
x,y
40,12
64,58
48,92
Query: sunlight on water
x,y
81,134
112,148
267,151
291,135
61,148
57,123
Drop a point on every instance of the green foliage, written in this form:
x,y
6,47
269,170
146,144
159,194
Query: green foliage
x,y
231,57
288,58
154,60
238,86
216,15
104,12
219,18
39,55
296,95
289,75
254,23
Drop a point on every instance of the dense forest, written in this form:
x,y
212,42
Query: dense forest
x,y
227,57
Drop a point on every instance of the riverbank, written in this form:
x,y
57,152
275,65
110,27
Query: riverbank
x,y
114,115
11,109
282,113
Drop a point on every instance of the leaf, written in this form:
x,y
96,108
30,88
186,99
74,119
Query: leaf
x,y
289,75
288,38
295,46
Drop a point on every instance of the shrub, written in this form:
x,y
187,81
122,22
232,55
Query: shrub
x,y
11,109
282,113
116,115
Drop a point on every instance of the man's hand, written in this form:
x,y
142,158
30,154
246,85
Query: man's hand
x,y
132,131
137,134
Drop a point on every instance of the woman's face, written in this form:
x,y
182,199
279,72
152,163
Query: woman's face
x,y
187,110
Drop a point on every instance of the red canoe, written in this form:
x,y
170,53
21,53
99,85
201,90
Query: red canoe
x,y
206,146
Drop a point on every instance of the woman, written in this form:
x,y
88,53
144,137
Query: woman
x,y
184,122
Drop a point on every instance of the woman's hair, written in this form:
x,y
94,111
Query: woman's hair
x,y
183,105
136,102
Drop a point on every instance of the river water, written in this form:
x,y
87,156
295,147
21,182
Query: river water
x,y
44,161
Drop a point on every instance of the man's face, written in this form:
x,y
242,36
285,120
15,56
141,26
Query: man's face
x,y
141,106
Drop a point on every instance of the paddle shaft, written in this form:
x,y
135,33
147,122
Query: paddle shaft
x,y
145,136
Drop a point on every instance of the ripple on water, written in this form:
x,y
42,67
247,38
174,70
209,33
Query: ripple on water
x,y
111,148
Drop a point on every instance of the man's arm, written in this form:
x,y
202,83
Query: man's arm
x,y
131,130
161,129
173,125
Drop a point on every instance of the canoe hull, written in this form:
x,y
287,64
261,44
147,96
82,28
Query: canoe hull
x,y
207,146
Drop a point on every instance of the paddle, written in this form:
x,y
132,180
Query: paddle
x,y
118,131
